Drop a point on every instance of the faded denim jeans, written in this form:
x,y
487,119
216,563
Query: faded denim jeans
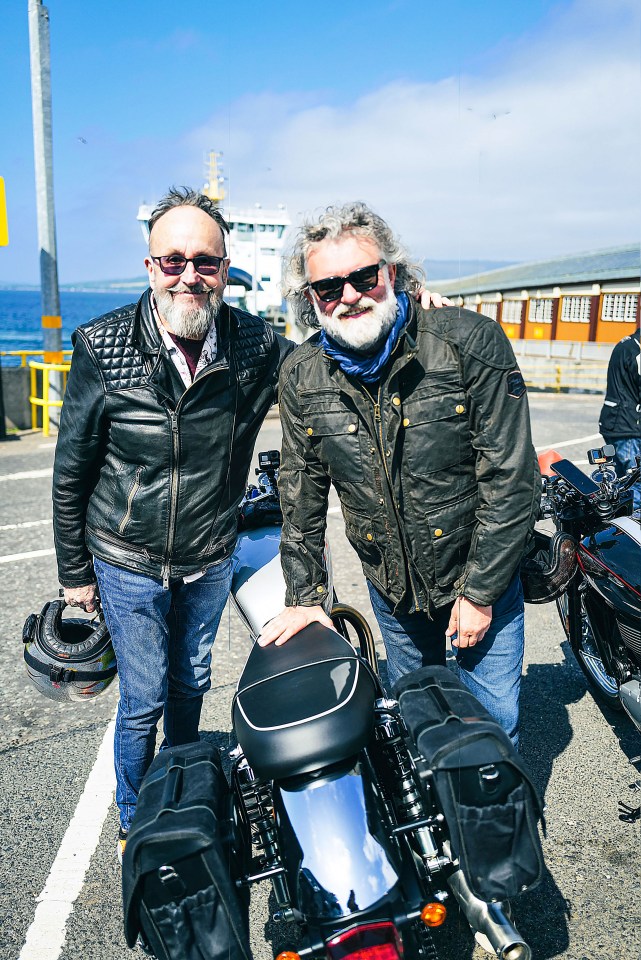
x,y
491,669
162,640
625,459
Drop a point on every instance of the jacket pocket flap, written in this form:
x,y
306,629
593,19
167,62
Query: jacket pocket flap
x,y
330,423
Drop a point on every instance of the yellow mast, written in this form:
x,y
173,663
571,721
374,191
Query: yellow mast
x,y
213,187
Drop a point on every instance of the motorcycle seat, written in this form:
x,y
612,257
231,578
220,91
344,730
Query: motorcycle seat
x,y
304,705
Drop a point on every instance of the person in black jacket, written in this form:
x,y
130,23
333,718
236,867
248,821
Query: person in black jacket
x,y
163,404
419,418
620,420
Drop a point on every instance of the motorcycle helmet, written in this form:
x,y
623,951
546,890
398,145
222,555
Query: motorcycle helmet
x,y
546,571
67,659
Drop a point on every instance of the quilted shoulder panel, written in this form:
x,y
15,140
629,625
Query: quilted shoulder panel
x,y
254,344
120,361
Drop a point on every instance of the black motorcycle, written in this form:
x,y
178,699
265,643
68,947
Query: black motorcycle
x,y
335,803
591,566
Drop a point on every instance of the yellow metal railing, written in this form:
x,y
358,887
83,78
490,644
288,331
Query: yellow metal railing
x,y
44,402
23,354
561,375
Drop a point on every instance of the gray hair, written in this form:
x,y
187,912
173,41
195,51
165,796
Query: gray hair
x,y
186,197
356,218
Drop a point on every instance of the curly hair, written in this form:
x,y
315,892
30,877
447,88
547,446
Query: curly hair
x,y
186,197
355,218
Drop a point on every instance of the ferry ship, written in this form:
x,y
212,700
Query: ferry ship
x,y
256,242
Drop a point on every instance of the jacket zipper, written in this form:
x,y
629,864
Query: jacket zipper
x,y
173,499
381,443
130,501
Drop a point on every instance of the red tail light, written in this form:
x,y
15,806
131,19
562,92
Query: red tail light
x,y
371,941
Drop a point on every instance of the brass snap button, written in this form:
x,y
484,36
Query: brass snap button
x,y
320,589
438,532
396,401
460,408
352,428
406,422
369,536
309,431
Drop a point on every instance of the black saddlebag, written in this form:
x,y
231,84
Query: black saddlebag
x,y
177,887
481,784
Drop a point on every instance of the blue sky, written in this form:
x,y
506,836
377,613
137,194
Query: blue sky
x,y
499,130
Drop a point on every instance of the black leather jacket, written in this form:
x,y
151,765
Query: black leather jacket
x,y
621,412
435,469
148,474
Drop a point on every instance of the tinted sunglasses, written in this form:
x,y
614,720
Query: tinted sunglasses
x,y
362,280
174,265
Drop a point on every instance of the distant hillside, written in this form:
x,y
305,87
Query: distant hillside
x,y
452,269
102,286
90,286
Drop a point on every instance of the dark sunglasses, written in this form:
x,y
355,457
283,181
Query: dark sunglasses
x,y
362,280
174,265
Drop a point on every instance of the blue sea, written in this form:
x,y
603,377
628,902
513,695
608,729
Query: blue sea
x,y
20,323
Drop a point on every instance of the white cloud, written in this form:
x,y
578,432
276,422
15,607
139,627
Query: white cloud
x,y
538,158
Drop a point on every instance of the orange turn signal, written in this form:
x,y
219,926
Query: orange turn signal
x,y
433,914
288,955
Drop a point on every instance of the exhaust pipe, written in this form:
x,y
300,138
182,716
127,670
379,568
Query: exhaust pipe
x,y
630,697
488,918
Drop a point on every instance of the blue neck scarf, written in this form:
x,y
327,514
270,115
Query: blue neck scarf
x,y
360,365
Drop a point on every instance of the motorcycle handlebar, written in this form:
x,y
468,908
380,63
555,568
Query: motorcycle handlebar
x,y
602,499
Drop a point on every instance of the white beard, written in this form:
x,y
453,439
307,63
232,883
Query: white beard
x,y
189,322
364,333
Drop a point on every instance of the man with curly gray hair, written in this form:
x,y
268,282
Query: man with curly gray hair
x,y
353,217
419,419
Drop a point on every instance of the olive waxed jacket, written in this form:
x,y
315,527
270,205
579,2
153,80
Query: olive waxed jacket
x,y
435,470
148,474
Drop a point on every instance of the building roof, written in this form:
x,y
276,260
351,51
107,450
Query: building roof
x,y
615,263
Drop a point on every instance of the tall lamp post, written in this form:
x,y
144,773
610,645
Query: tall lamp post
x,y
43,155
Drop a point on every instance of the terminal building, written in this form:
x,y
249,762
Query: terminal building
x,y
588,298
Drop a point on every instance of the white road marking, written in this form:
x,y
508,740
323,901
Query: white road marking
x,y
15,557
28,474
46,935
568,443
25,523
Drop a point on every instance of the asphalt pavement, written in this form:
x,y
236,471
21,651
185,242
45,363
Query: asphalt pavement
x,y
584,759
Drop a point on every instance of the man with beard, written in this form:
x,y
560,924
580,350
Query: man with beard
x,y
164,401
420,421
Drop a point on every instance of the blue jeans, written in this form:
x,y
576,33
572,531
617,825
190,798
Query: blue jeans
x,y
625,459
491,669
162,640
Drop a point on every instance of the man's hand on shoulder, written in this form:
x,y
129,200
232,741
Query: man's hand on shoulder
x,y
468,624
85,597
430,298
291,621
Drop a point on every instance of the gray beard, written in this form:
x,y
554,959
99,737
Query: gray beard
x,y
192,324
365,334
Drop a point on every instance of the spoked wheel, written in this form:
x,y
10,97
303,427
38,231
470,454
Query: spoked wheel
x,y
603,686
